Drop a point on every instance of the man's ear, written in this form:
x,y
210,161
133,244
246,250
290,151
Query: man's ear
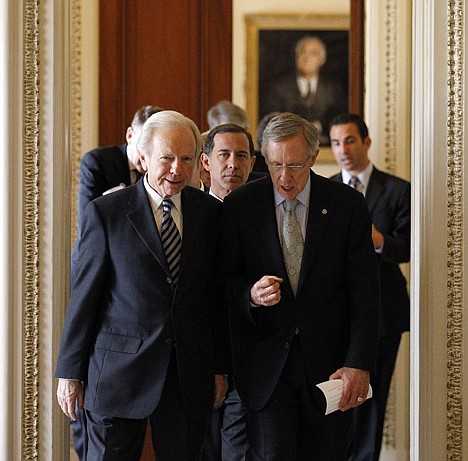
x,y
252,162
143,161
314,158
129,134
205,161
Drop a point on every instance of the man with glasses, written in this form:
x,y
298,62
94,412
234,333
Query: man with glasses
x,y
300,277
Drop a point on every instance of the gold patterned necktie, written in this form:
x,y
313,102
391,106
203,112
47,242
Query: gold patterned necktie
x,y
293,243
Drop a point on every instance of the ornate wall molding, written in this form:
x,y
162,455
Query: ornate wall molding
x,y
76,108
31,113
390,82
455,120
390,149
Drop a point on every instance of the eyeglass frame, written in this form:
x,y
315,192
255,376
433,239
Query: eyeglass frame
x,y
291,168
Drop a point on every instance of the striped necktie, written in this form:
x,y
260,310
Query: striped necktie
x,y
171,241
354,182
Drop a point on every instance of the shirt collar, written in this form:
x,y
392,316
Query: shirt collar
x,y
214,195
363,176
303,84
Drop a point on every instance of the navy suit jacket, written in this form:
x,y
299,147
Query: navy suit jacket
x,y
100,170
124,315
389,201
336,308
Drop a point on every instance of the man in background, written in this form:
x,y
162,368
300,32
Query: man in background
x,y
109,168
228,155
300,278
308,92
388,199
226,112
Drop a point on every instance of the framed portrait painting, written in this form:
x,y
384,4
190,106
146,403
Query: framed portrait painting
x,y
300,64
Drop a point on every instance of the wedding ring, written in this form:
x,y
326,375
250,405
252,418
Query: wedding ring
x,y
360,399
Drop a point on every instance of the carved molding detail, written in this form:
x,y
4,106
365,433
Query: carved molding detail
x,y
390,81
31,114
76,108
390,136
455,96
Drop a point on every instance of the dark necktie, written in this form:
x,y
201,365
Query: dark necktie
x,y
310,97
293,243
171,240
354,182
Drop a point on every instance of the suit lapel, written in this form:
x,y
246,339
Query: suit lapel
x,y
375,189
265,217
142,219
191,228
316,225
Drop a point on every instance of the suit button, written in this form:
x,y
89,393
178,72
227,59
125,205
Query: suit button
x,y
169,280
286,346
168,341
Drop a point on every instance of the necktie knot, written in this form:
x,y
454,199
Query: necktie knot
x,y
167,206
356,184
290,205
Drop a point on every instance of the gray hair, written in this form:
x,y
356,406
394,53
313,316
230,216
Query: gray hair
x,y
226,112
287,125
166,119
312,38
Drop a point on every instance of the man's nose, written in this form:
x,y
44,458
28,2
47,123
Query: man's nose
x,y
232,162
176,166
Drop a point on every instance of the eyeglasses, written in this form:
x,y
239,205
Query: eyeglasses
x,y
292,168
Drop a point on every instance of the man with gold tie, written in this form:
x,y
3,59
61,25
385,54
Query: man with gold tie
x,y
300,277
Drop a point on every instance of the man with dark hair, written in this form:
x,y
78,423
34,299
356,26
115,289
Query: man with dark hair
x,y
228,155
300,277
389,201
141,336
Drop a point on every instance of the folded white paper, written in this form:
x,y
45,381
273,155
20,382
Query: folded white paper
x,y
333,390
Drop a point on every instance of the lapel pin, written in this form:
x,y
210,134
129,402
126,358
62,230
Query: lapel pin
x,y
324,211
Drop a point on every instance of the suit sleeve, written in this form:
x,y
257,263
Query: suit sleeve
x,y
87,291
363,290
92,182
236,288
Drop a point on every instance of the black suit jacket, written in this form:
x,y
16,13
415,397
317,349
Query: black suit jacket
x,y
100,170
336,308
284,96
389,201
124,315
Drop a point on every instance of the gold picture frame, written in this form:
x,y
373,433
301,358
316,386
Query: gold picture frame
x,y
288,27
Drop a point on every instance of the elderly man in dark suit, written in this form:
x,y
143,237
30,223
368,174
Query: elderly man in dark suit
x,y
389,201
300,277
308,92
140,337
